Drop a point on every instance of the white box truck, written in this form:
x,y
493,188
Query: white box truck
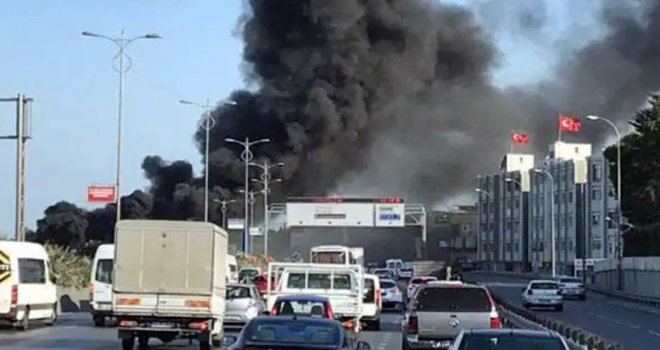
x,y
169,281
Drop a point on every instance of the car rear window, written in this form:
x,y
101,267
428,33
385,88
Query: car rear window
x,y
422,280
319,281
369,291
387,284
459,299
299,307
507,342
291,333
570,280
544,286
104,271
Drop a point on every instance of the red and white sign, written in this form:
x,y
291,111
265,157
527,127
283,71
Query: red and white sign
x,y
101,194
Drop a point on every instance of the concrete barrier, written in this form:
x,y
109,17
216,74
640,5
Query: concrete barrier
x,y
72,300
640,275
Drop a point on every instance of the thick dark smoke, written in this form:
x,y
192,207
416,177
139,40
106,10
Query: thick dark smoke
x,y
395,97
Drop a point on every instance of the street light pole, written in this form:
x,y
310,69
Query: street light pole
x,y
252,200
265,182
118,66
552,219
207,124
223,209
247,156
619,250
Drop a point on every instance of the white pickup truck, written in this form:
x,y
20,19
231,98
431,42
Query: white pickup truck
x,y
342,284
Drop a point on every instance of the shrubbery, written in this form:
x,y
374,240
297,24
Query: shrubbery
x,y
249,260
71,269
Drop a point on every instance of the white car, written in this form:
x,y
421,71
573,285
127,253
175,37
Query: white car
x,y
543,293
416,282
392,296
27,285
100,284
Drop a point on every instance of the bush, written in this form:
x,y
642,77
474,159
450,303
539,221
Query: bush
x,y
249,260
72,270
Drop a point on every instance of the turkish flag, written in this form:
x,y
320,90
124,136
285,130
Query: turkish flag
x,y
567,123
518,137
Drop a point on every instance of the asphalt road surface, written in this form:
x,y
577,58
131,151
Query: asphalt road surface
x,y
633,326
75,331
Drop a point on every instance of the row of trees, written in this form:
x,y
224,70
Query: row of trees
x,y
640,161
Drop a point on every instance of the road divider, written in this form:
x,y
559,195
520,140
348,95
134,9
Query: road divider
x,y
578,339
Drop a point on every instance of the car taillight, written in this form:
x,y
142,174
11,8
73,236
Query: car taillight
x,y
14,295
328,312
273,310
396,291
90,290
412,325
378,296
495,320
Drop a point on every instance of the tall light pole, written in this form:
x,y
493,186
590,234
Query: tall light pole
x,y
265,182
118,65
207,124
247,156
252,199
552,219
480,191
619,252
223,209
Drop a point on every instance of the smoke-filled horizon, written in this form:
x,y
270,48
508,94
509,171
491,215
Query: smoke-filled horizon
x,y
396,98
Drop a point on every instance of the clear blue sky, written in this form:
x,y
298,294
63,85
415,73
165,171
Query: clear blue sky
x,y
75,89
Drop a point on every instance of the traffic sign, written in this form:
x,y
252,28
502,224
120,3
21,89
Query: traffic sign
x,y
101,194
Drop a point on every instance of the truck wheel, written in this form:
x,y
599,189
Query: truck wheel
x,y
99,321
143,342
204,345
375,326
53,317
216,341
128,344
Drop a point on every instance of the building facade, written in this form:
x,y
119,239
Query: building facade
x,y
519,206
452,235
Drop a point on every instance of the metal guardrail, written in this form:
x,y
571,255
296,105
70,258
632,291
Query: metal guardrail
x,y
577,338
637,299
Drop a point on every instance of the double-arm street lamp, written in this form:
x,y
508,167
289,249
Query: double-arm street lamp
x,y
247,157
251,200
265,181
118,65
223,209
553,237
207,123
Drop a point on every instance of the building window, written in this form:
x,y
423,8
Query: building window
x,y
570,197
569,221
596,194
516,246
595,218
596,172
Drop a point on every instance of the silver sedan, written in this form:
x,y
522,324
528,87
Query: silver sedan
x,y
243,304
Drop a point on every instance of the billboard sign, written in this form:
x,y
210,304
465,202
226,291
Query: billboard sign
x,y
101,194
235,224
255,231
390,215
330,214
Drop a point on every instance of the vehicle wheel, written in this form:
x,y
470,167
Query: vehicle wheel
x,y
216,341
53,317
583,297
143,342
525,305
375,326
560,308
204,345
128,344
24,324
99,321
404,343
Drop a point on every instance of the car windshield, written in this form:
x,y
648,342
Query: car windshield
x,y
248,273
104,271
301,308
238,292
544,286
445,299
570,280
291,333
387,284
423,280
507,342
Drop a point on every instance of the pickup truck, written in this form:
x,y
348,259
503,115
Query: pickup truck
x,y
342,284
169,281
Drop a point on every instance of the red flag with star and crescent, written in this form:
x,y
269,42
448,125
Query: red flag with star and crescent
x,y
519,137
568,123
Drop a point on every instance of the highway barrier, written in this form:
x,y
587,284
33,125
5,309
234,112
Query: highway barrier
x,y
637,299
514,316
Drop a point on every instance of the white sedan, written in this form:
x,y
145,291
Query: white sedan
x,y
543,293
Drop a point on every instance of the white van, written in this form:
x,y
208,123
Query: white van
x,y
372,303
100,284
232,269
27,285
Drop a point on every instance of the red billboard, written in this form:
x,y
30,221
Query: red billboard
x,y
101,193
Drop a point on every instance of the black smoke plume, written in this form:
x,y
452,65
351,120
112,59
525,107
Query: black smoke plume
x,y
395,97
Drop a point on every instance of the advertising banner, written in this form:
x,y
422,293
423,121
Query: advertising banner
x,y
390,215
101,194
235,224
330,214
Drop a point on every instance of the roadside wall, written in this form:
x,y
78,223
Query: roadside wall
x,y
72,300
641,276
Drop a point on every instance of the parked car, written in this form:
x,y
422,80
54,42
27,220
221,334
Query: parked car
x,y
572,287
498,339
243,303
278,332
392,295
416,282
543,293
439,311
303,305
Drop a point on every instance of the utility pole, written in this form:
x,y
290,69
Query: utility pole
x,y
265,183
23,133
223,209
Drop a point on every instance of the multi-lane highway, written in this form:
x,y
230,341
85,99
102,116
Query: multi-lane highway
x,y
633,326
75,331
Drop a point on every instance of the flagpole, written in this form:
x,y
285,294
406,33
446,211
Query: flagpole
x,y
511,142
559,127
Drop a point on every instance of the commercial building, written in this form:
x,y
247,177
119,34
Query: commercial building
x,y
518,209
452,235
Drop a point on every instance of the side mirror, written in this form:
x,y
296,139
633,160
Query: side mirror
x,y
228,340
362,345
